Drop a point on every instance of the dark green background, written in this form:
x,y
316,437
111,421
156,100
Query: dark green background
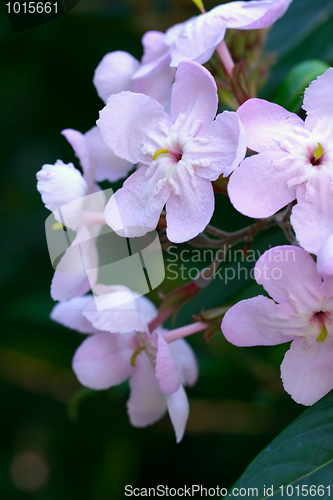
x,y
238,404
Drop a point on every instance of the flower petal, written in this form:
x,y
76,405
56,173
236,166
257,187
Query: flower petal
x,y
147,403
76,140
158,85
65,285
259,321
70,278
190,206
166,369
155,76
179,409
133,126
69,313
325,258
186,360
114,73
196,39
148,308
155,53
61,184
289,274
318,100
107,165
81,150
327,292
135,209
307,371
218,148
267,124
253,14
259,186
194,97
312,217
103,360
120,313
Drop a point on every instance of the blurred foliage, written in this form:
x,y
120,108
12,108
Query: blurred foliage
x,y
238,404
303,33
299,459
291,90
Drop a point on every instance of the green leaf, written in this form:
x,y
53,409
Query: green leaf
x,y
290,92
304,32
300,23
301,455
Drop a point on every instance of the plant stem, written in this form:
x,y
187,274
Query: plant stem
x,y
185,331
90,218
225,57
228,240
160,318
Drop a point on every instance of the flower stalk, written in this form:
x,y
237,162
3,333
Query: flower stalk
x,y
185,331
226,58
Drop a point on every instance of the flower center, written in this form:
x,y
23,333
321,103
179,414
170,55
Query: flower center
x,y
318,153
162,151
57,225
135,354
323,332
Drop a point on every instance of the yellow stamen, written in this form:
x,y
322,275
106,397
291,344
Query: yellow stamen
x,y
135,354
200,5
160,151
318,152
323,334
57,225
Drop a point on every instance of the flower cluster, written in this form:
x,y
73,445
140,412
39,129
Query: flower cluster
x,y
294,164
301,311
179,155
120,347
161,131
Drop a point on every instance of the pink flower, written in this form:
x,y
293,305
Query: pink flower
x,y
192,40
325,258
179,155
295,161
74,198
97,160
120,71
66,193
123,311
301,311
60,185
121,347
197,38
